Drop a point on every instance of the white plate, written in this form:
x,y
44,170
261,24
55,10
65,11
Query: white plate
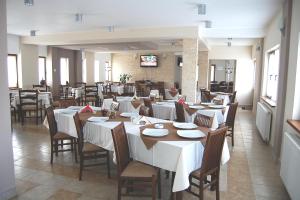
x,y
184,125
77,108
191,133
207,104
97,119
216,106
128,114
155,132
197,107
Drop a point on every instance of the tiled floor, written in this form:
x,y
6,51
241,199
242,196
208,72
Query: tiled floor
x,y
250,173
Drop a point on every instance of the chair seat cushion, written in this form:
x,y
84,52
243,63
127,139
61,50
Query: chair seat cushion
x,y
61,136
88,147
139,170
196,174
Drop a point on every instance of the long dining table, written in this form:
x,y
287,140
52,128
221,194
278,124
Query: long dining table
x,y
181,157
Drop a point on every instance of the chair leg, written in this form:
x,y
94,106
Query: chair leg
x,y
81,168
119,189
159,184
172,179
201,189
56,148
154,185
75,149
217,186
37,117
51,160
232,136
108,164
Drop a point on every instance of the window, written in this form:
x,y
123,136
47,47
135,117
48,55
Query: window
x,y
42,68
84,71
273,73
64,70
107,71
97,71
212,72
12,69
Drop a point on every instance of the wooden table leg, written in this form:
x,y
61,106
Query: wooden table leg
x,y
179,195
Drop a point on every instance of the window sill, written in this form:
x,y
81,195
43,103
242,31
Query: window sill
x,y
269,101
295,124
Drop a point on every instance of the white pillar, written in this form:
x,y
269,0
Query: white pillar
x,y
7,177
190,68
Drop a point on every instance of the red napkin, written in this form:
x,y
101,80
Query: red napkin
x,y
87,109
181,101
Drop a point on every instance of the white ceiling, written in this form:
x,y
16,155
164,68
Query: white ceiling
x,y
57,16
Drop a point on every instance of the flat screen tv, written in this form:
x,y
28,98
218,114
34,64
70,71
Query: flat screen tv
x,y
149,61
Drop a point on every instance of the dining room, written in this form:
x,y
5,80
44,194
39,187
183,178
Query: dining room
x,y
187,102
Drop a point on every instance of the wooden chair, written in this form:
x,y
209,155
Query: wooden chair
x,y
230,120
210,164
205,96
148,104
58,138
80,84
179,112
89,151
65,92
13,110
132,174
41,88
29,103
203,120
91,95
65,103
232,97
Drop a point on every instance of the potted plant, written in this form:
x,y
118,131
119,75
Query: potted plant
x,y
124,78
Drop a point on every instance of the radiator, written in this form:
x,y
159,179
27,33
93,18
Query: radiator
x,y
263,121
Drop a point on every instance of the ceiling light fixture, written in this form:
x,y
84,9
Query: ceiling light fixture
x,y
28,2
78,17
33,33
201,9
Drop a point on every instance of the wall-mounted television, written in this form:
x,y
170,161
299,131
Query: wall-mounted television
x,y
149,61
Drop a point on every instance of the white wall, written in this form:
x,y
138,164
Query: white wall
x,y
13,44
244,69
7,176
102,58
90,63
30,73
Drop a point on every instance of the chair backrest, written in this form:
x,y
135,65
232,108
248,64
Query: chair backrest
x,y
79,130
213,150
205,96
65,103
51,121
179,112
232,97
64,91
231,114
42,88
28,97
80,84
114,106
121,147
203,120
91,91
148,104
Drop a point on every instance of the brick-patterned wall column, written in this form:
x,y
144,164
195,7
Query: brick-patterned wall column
x,y
190,68
203,76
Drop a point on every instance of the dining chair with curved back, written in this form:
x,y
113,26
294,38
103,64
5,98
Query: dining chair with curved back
x,y
57,137
203,120
89,151
232,97
129,171
91,95
205,96
179,112
230,119
148,104
211,162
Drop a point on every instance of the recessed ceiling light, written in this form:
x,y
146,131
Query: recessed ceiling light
x,y
28,2
201,9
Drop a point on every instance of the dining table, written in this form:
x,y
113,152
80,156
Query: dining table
x,y
127,104
45,97
181,156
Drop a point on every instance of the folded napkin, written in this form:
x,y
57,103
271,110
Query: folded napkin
x,y
87,109
136,103
143,121
181,101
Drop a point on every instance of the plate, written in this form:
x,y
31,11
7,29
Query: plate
x,y
197,107
152,132
97,119
216,106
207,103
77,108
128,114
191,133
184,125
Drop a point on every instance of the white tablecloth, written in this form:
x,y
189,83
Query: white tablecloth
x,y
125,104
79,92
44,96
167,110
119,89
181,157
